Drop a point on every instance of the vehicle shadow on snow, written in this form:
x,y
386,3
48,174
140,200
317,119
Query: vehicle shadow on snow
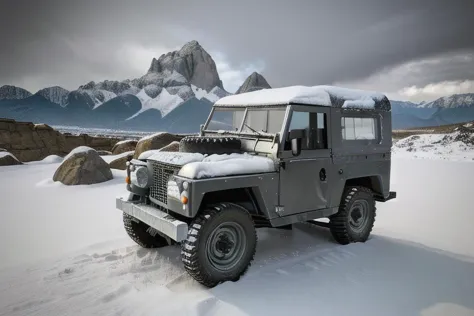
x,y
304,271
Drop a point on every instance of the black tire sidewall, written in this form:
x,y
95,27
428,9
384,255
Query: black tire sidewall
x,y
364,234
235,215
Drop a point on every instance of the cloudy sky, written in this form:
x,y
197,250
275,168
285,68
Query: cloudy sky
x,y
412,50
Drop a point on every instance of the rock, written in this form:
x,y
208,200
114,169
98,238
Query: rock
x,y
155,141
13,93
192,62
120,163
83,165
124,146
7,159
174,146
104,153
253,82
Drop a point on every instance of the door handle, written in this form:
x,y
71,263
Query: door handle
x,y
322,174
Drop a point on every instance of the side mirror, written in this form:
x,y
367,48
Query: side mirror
x,y
201,128
296,136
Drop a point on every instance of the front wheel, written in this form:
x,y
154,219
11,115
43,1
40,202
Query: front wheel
x,y
356,216
221,244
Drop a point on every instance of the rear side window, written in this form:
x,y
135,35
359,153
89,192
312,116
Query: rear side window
x,y
358,128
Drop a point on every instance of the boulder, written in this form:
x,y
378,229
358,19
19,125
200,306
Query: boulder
x,y
124,146
121,162
155,141
174,146
104,153
83,165
7,159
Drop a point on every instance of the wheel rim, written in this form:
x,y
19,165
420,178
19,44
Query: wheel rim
x,y
226,246
359,215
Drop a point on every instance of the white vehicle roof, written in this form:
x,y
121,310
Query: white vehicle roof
x,y
315,95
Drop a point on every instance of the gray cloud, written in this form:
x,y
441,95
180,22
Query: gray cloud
x,y
300,42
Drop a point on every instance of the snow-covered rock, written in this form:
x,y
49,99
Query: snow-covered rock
x,y
54,94
83,165
124,146
154,141
8,92
8,159
253,82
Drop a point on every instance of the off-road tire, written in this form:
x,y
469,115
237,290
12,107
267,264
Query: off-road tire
x,y
141,233
194,250
339,223
210,145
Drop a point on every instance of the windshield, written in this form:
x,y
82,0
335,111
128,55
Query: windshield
x,y
258,120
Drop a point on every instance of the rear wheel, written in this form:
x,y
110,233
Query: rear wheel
x,y
220,246
142,234
356,216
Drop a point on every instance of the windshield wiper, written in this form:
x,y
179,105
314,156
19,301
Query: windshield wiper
x,y
252,129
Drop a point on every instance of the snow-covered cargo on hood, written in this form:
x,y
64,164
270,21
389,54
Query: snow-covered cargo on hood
x,y
173,158
227,165
315,95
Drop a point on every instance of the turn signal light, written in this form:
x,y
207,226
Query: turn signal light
x,y
127,180
184,200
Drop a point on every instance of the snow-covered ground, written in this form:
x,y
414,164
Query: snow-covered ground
x,y
64,252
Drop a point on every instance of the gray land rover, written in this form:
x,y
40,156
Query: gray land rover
x,y
267,158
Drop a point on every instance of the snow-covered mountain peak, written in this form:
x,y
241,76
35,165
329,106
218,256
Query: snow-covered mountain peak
x,y
253,82
54,94
215,94
465,100
192,62
8,92
165,102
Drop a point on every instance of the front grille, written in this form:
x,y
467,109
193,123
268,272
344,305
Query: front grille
x,y
161,174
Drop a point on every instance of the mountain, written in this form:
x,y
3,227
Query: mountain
x,y
191,61
176,94
13,93
54,94
465,100
253,82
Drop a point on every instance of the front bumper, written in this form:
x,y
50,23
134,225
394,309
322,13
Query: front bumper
x,y
159,220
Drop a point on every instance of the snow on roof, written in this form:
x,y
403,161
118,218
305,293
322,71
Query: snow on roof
x,y
315,95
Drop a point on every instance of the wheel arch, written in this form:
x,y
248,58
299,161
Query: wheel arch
x,y
373,183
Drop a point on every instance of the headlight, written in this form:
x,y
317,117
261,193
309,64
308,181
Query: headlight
x,y
139,177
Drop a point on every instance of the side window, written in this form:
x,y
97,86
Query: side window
x,y
358,128
315,130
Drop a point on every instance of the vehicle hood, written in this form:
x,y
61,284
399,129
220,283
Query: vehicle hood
x,y
199,166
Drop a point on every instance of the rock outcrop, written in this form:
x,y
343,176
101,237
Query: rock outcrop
x,y
30,142
7,159
191,61
155,141
253,82
8,92
83,165
124,146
